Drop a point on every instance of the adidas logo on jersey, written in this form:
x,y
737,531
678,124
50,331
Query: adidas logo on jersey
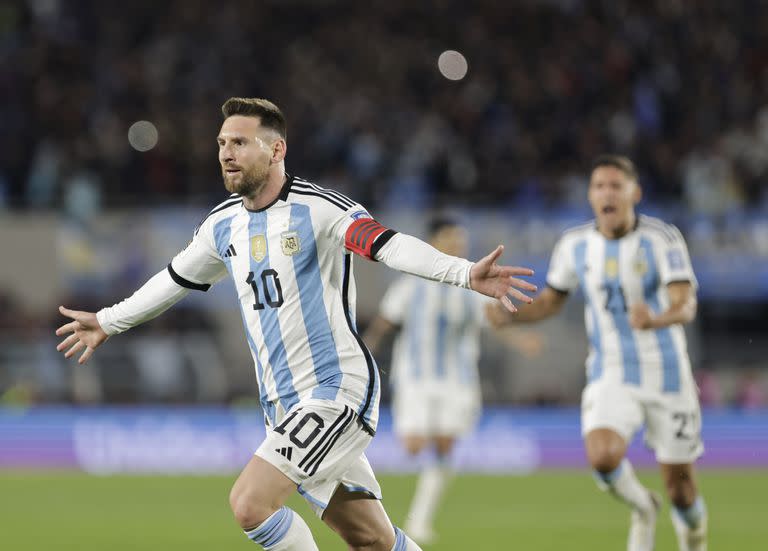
x,y
285,452
230,251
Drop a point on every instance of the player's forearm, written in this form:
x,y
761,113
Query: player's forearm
x,y
548,303
152,299
681,313
413,256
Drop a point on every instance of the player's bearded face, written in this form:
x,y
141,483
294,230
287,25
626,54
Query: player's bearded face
x,y
245,154
248,180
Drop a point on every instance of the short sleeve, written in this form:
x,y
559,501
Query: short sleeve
x,y
674,260
199,265
396,299
562,274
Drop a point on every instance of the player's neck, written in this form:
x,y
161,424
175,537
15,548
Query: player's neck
x,y
619,231
268,194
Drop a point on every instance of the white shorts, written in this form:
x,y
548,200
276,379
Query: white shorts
x,y
319,445
435,410
672,421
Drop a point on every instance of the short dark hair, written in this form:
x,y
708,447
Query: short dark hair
x,y
441,222
269,114
617,161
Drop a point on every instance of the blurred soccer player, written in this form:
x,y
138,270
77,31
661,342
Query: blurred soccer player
x,y
286,243
640,289
434,369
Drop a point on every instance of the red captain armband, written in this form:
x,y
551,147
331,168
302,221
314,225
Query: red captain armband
x,y
366,236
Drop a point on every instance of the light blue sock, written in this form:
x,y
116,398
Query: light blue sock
x,y
403,542
692,515
283,531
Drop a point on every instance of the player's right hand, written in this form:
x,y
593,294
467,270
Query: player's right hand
x,y
86,333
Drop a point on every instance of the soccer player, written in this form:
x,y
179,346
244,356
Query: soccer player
x,y
639,288
286,243
434,369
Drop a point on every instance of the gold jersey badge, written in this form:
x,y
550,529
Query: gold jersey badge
x,y
258,247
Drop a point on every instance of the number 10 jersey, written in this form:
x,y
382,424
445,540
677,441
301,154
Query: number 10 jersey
x,y
293,276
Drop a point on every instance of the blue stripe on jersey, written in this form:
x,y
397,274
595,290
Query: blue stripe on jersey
x,y
580,260
415,326
270,324
669,357
619,314
222,233
442,329
325,358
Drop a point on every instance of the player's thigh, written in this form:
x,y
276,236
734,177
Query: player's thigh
x,y
260,490
674,428
360,520
610,416
314,445
611,406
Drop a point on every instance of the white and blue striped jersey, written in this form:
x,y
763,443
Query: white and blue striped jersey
x,y
439,337
613,274
293,276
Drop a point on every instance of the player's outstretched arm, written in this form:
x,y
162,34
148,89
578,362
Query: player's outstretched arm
x,y
89,330
488,278
84,333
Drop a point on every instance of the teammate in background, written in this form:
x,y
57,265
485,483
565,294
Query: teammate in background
x,y
435,381
286,243
639,287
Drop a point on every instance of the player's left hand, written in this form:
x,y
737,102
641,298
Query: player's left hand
x,y
640,316
490,279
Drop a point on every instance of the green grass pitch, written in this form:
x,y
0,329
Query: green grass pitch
x,y
551,510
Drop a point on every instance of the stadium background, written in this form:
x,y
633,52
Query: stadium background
x,y
86,215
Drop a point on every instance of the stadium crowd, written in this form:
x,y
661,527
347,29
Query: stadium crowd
x,y
551,84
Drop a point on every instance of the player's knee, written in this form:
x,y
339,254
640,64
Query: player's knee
x,y
414,444
606,463
364,538
249,513
605,451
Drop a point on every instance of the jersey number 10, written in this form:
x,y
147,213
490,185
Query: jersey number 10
x,y
265,277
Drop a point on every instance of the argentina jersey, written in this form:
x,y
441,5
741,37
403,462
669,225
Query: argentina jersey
x,y
613,274
439,336
295,284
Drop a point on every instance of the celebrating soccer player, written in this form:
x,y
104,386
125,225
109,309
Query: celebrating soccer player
x,y
287,245
639,287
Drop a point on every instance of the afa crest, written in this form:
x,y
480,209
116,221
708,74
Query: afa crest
x,y
290,243
258,247
611,267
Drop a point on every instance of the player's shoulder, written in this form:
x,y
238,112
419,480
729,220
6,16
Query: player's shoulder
x,y
657,228
315,196
576,233
225,208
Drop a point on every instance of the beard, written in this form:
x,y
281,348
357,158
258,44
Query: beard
x,y
249,183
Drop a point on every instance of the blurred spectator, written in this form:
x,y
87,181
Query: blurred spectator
x,y
679,86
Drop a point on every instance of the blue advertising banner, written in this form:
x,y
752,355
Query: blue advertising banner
x,y
220,440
